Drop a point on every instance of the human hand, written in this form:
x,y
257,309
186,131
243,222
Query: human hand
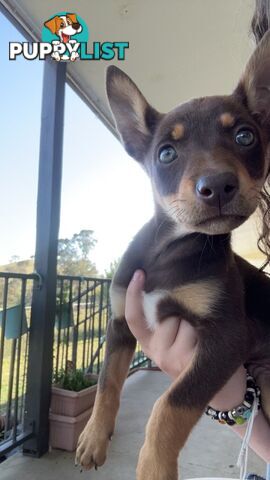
x,y
172,344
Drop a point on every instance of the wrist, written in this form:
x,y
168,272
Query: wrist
x,y
232,393
241,413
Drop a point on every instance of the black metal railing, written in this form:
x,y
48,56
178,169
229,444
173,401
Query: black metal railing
x,y
83,312
82,315
15,317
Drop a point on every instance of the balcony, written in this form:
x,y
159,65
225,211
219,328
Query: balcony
x,y
82,313
211,450
47,320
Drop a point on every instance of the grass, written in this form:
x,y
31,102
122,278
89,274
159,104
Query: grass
x,y
65,348
64,352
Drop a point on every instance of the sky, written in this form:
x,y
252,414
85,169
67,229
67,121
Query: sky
x,y
103,189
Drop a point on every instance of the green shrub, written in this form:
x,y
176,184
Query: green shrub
x,y
74,380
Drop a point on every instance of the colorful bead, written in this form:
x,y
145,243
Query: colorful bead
x,y
240,420
240,414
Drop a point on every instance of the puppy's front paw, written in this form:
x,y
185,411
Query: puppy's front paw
x,y
73,56
56,56
92,446
152,466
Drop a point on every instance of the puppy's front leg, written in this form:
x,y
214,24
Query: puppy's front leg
x,y
93,441
177,410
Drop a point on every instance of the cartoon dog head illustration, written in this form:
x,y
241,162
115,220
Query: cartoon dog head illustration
x,y
64,26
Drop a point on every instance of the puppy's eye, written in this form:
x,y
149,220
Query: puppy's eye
x,y
62,25
167,154
245,137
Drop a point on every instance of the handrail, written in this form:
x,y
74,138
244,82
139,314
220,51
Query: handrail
x,y
30,276
82,278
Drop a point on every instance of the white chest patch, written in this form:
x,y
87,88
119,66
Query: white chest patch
x,y
200,298
118,300
150,303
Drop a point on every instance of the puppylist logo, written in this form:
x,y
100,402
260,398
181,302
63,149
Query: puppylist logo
x,y
65,38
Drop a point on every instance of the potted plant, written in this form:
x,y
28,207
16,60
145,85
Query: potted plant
x,y
73,396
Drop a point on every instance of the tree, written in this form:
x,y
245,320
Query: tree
x,y
14,284
112,268
14,259
84,242
73,254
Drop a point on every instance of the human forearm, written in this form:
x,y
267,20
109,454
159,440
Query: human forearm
x,y
172,346
260,437
232,393
230,396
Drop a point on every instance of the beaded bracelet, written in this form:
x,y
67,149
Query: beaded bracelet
x,y
238,415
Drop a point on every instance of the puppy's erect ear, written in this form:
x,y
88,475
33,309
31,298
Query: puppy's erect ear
x,y
52,24
255,82
73,17
135,119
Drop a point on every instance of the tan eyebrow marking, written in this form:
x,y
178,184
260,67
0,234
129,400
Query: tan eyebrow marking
x,y
178,131
227,119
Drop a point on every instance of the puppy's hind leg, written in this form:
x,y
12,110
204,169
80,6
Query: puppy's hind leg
x,y
180,407
93,441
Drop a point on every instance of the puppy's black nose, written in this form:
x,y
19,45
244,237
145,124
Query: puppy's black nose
x,y
217,190
76,26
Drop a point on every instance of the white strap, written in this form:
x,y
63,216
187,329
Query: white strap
x,y
243,454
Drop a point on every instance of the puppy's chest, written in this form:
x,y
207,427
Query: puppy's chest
x,y
197,299
190,286
177,286
194,300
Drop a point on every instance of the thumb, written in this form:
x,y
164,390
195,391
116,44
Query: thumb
x,y
134,308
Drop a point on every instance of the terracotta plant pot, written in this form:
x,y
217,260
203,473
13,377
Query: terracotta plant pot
x,y
65,431
69,413
72,404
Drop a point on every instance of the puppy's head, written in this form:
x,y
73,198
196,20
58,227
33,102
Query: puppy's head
x,y
208,159
64,26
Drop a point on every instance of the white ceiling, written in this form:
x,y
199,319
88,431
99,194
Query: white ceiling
x,y
179,49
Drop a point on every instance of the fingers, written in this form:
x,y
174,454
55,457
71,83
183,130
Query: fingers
x,y
134,309
186,339
182,352
173,345
173,342
165,334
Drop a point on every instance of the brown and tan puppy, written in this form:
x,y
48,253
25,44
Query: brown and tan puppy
x,y
208,161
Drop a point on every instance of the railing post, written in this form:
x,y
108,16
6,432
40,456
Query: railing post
x,y
40,360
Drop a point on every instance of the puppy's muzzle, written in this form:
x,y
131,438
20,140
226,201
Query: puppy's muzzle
x,y
217,190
